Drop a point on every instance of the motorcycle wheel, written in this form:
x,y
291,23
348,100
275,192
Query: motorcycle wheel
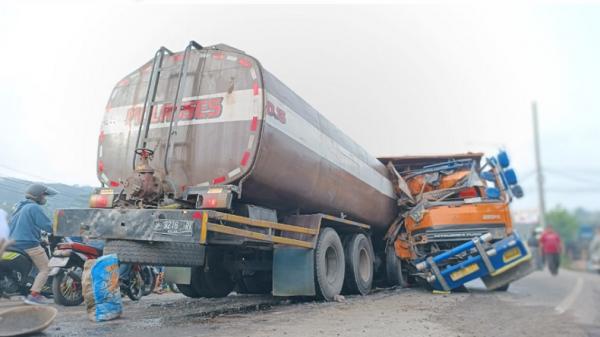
x,y
135,288
67,290
149,279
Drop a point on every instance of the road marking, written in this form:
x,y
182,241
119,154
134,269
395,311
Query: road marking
x,y
568,301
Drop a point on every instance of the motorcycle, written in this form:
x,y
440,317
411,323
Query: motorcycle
x,y
131,281
67,265
17,271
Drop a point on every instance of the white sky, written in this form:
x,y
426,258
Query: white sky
x,y
400,80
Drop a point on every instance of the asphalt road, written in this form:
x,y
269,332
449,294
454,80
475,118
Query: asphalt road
x,y
539,305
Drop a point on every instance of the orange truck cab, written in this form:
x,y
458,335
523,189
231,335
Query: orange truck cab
x,y
449,200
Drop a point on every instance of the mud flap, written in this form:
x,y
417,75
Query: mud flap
x,y
293,271
498,280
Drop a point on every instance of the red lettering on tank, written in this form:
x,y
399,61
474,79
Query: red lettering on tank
x,y
276,112
190,110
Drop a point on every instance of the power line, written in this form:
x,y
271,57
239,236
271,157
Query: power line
x,y
569,175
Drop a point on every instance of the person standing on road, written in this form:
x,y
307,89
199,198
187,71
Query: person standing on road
x,y
26,224
551,247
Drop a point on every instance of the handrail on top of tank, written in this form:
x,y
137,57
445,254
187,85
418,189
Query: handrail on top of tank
x,y
178,98
152,85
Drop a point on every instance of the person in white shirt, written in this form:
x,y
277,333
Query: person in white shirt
x,y
4,230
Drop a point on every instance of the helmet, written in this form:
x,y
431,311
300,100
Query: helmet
x,y
37,192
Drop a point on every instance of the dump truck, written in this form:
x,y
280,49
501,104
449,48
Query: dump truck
x,y
211,166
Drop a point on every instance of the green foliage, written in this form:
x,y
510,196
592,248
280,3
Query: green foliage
x,y
564,222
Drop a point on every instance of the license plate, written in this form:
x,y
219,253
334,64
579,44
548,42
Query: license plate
x,y
511,254
173,227
58,262
470,269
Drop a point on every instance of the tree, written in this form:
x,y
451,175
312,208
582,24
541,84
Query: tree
x,y
564,222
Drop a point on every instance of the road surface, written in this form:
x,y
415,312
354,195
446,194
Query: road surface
x,y
539,305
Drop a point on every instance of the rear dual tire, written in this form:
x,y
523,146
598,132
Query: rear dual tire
x,y
359,264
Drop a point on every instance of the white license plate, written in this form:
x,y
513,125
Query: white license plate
x,y
58,262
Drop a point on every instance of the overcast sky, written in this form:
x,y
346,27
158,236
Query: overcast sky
x,y
400,80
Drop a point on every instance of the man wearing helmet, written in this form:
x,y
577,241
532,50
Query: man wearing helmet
x,y
26,224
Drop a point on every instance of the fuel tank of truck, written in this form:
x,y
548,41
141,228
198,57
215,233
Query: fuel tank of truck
x,y
238,124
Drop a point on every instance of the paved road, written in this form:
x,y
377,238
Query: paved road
x,y
539,305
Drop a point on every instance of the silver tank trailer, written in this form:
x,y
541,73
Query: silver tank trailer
x,y
238,124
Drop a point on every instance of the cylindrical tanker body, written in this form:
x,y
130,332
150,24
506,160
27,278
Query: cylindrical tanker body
x,y
237,124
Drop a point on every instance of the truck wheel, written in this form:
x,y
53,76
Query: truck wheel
x,y
215,282
359,264
393,269
329,264
504,288
187,290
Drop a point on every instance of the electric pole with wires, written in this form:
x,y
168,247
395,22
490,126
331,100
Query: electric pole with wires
x,y
538,165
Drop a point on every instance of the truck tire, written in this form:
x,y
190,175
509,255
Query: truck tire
x,y
212,280
187,290
358,251
393,269
329,264
156,253
215,283
504,288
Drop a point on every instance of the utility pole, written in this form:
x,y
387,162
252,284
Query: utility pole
x,y
538,165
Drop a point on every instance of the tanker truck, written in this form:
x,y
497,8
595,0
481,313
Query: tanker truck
x,y
213,167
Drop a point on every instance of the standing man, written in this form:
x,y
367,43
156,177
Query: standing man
x,y
26,224
551,247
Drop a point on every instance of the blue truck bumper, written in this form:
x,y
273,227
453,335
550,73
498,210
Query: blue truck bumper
x,y
497,264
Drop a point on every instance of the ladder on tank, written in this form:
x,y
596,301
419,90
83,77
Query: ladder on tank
x,y
150,102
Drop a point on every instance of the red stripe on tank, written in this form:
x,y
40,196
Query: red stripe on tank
x,y
245,63
100,166
254,124
218,56
101,137
219,180
255,88
114,183
245,158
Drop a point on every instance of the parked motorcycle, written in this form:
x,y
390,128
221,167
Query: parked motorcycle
x,y
131,281
67,264
17,271
66,267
